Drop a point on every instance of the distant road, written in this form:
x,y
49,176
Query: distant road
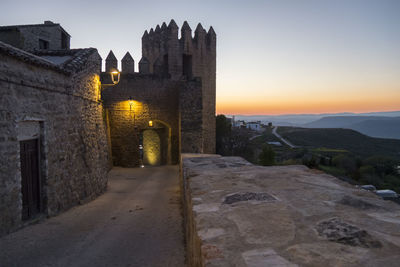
x,y
281,138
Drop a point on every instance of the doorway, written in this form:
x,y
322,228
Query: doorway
x,y
156,141
30,178
151,148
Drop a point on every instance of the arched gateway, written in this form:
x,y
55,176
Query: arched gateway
x,y
168,106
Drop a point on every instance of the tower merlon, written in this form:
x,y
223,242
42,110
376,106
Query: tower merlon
x,y
186,31
199,33
111,62
211,39
145,34
144,66
172,25
128,63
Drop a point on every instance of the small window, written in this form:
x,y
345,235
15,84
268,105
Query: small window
x,y
166,70
43,44
187,66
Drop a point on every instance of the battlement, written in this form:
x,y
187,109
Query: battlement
x,y
169,54
153,37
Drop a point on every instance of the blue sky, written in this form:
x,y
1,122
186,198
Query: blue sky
x,y
273,57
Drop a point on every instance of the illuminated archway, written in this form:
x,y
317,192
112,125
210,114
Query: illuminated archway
x,y
156,140
151,147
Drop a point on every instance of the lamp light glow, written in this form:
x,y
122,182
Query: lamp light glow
x,y
115,76
150,123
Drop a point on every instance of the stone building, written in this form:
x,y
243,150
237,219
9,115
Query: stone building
x,y
48,35
64,123
167,107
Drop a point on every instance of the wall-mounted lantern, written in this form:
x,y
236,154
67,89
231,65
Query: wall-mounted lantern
x,y
115,76
150,123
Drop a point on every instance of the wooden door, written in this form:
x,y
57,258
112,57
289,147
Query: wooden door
x,y
29,152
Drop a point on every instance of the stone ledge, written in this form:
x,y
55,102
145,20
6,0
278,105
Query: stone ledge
x,y
239,214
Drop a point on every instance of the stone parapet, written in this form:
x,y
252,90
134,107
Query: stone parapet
x,y
238,214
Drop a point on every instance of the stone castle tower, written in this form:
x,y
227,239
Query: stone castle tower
x,y
175,86
187,57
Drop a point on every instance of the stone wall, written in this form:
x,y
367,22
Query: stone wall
x,y
191,117
63,107
175,108
238,214
166,54
152,99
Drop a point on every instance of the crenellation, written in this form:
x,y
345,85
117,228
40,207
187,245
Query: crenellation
x,y
211,38
111,62
128,63
172,25
186,38
144,66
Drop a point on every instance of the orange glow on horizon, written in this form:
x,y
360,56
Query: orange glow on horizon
x,y
303,107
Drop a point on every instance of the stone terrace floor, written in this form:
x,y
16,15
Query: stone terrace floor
x,y
246,215
137,222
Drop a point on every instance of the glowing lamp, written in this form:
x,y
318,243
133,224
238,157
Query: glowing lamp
x,y
150,123
115,76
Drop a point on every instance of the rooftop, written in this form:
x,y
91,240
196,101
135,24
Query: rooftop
x,y
66,61
46,23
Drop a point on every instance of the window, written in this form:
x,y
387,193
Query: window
x,y
187,66
166,71
43,44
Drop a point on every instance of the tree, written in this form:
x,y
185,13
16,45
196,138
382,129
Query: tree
x,y
345,162
223,135
267,156
383,165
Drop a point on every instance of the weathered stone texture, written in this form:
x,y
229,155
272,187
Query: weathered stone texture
x,y
191,118
157,100
238,214
73,142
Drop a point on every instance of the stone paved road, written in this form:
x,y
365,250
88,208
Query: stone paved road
x,y
137,222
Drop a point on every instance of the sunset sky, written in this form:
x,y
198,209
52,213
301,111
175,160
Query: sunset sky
x,y
273,57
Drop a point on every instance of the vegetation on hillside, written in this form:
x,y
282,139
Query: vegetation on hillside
x,y
344,153
349,155
345,139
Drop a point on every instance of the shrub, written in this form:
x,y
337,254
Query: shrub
x,y
267,156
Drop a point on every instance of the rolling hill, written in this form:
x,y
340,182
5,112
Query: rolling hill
x,y
345,139
374,126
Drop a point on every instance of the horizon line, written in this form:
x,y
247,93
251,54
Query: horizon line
x,y
298,114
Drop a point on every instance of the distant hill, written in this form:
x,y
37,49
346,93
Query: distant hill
x,y
301,119
346,139
375,126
